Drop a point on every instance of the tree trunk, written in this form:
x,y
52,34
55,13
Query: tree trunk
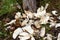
x,y
29,5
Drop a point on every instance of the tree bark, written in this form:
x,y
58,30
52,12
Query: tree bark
x,y
29,5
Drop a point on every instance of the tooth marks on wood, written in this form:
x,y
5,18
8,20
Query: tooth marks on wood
x,y
29,5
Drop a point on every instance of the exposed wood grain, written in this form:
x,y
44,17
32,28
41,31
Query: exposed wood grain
x,y
29,5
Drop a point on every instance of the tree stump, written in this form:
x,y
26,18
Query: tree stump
x,y
29,5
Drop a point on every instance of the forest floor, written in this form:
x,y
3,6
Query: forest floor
x,y
7,35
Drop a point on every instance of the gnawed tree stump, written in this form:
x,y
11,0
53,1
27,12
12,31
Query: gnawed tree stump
x,y
29,5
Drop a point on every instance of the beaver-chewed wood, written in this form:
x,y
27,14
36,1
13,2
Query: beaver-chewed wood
x,y
29,5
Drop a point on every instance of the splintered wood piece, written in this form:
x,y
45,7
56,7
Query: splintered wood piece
x,y
37,24
24,15
24,23
29,14
18,23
